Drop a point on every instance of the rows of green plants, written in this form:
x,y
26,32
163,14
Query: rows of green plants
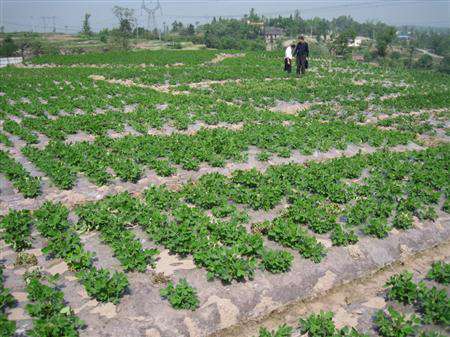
x,y
7,327
322,197
80,91
432,303
20,178
5,140
223,247
389,323
418,124
109,217
179,113
335,196
128,155
16,226
51,220
16,129
433,306
148,57
53,91
48,309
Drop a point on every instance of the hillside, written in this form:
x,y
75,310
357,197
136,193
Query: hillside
x,y
127,172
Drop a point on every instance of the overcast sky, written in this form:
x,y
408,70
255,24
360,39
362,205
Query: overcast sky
x,y
27,14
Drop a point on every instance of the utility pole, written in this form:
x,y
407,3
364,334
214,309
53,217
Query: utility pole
x,y
53,20
32,24
44,19
151,11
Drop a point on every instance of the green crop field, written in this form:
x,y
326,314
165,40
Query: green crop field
x,y
158,183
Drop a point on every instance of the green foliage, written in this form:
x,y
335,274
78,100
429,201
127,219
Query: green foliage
x,y
377,227
7,327
394,324
402,288
8,47
340,43
318,325
402,220
339,237
86,30
384,37
18,130
425,62
63,242
111,216
291,235
51,316
444,65
17,229
282,331
104,285
434,305
181,296
440,272
26,184
277,261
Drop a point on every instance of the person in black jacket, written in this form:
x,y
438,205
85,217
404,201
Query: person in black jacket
x,y
301,53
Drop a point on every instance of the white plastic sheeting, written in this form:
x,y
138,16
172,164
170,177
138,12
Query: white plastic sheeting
x,y
4,61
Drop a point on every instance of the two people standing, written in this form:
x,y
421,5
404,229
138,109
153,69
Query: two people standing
x,y
301,52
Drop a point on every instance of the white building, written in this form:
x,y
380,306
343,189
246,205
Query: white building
x,y
358,41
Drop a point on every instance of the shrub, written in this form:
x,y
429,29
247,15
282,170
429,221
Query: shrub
x,y
181,296
394,324
277,261
403,289
440,272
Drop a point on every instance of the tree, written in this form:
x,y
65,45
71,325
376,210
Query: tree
x,y
339,45
444,65
425,62
190,30
8,47
126,23
86,30
384,37
103,34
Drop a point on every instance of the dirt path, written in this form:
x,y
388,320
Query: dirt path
x,y
353,303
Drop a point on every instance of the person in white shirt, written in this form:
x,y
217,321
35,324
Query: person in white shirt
x,y
288,58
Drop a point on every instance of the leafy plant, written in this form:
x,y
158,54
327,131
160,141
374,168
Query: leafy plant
x,y
7,327
440,272
318,325
17,229
402,288
339,237
282,331
181,296
402,220
103,285
26,184
377,227
434,305
51,316
394,324
277,261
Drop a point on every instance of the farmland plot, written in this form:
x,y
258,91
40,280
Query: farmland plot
x,y
182,193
